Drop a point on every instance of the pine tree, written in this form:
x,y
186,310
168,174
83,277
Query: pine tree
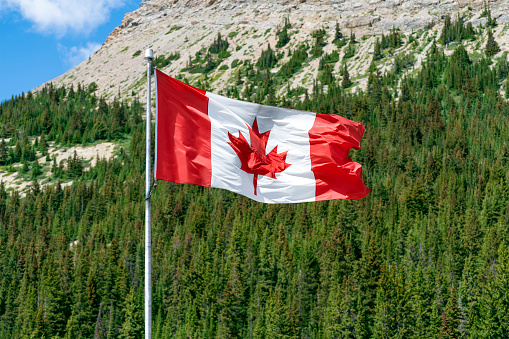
x,y
275,320
507,88
494,309
377,52
132,326
118,118
4,154
491,45
283,36
56,304
36,170
451,318
43,145
352,38
338,36
346,82
444,36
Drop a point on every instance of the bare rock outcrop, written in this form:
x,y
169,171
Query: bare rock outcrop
x,y
190,26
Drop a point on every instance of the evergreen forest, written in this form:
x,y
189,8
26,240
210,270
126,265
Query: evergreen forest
x,y
424,255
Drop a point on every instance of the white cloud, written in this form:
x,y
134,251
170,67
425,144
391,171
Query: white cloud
x,y
61,16
74,56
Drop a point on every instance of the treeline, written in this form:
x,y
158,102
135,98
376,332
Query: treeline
x,y
67,116
425,254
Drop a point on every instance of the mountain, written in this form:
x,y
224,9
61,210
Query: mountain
x,y
424,255
179,29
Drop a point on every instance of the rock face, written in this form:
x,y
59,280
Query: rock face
x,y
188,26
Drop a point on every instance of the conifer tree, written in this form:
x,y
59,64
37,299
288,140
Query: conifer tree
x,y
346,82
43,146
283,36
491,45
56,305
133,320
337,34
507,88
444,36
4,154
377,53
451,318
36,170
352,38
434,158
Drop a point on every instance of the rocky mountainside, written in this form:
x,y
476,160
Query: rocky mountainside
x,y
181,32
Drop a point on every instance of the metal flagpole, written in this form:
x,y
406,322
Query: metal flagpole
x,y
149,55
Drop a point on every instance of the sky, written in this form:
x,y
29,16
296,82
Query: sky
x,y
42,39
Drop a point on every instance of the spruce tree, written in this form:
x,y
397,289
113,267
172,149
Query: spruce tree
x,y
4,153
337,34
352,38
445,35
451,318
377,53
507,88
132,326
282,34
491,45
36,170
346,82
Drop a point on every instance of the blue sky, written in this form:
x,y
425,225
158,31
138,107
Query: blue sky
x,y
41,39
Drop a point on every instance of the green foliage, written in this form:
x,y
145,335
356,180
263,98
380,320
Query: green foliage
x,y
325,68
402,62
338,36
424,255
235,63
456,31
219,46
345,81
328,58
208,60
491,45
502,67
173,29
352,38
486,13
377,50
299,55
74,166
506,88
137,53
36,170
67,117
267,59
349,52
133,323
282,34
319,43
393,40
161,61
4,153
92,87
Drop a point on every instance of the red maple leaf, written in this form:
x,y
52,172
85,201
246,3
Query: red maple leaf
x,y
253,157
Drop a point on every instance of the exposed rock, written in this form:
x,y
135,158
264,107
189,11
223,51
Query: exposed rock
x,y
503,19
361,21
406,23
190,26
479,21
392,3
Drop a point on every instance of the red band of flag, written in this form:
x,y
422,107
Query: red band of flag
x,y
269,154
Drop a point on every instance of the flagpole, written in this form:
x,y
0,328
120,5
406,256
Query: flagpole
x,y
149,55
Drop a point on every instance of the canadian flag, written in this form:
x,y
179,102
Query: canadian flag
x,y
268,154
